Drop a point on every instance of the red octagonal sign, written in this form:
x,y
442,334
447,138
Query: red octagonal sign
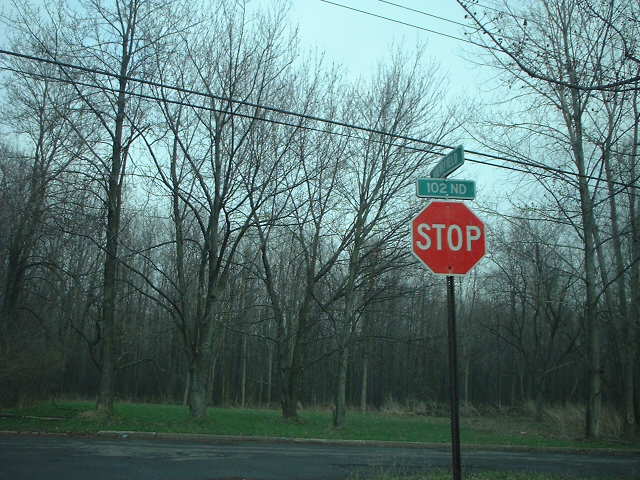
x,y
448,238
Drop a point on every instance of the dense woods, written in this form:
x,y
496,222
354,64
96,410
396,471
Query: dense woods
x,y
179,224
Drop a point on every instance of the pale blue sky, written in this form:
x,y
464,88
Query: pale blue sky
x,y
359,41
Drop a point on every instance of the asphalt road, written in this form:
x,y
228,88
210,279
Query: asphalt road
x,y
73,458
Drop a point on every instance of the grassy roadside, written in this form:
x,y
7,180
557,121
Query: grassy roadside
x,y
80,417
476,476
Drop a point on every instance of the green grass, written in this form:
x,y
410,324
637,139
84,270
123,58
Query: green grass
x,y
474,476
80,417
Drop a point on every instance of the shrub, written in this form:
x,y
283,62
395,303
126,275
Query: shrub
x,y
28,375
568,420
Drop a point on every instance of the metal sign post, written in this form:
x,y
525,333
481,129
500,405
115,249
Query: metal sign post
x,y
453,380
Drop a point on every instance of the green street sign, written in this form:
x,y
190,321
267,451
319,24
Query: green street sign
x,y
443,188
449,163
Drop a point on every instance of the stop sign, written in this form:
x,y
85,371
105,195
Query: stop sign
x,y
448,238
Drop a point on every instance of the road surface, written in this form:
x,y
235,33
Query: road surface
x,y
75,458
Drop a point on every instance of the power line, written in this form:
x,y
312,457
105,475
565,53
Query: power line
x,y
294,114
424,29
302,116
448,20
471,42
444,19
251,117
297,126
230,100
278,110
222,98
422,12
288,124
454,22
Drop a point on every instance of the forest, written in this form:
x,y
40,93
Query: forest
x,y
194,210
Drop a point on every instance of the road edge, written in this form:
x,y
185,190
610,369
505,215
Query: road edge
x,y
209,438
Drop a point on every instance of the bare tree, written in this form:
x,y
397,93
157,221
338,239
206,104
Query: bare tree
x,y
569,46
515,36
615,136
35,177
296,232
112,43
405,99
237,60
541,288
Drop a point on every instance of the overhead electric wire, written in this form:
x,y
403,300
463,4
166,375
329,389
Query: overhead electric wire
x,y
448,20
294,114
292,125
422,12
253,117
477,44
246,103
309,117
407,24
436,32
220,98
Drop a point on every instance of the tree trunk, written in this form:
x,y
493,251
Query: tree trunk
x,y
539,406
198,391
349,318
625,312
107,365
498,365
573,118
634,335
637,389
187,389
212,377
291,358
201,362
628,378
243,371
539,399
594,399
290,385
114,208
15,270
289,393
288,378
269,373
365,381
223,368
340,412
467,380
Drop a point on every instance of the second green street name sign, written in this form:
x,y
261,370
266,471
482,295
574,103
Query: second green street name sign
x,y
442,188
